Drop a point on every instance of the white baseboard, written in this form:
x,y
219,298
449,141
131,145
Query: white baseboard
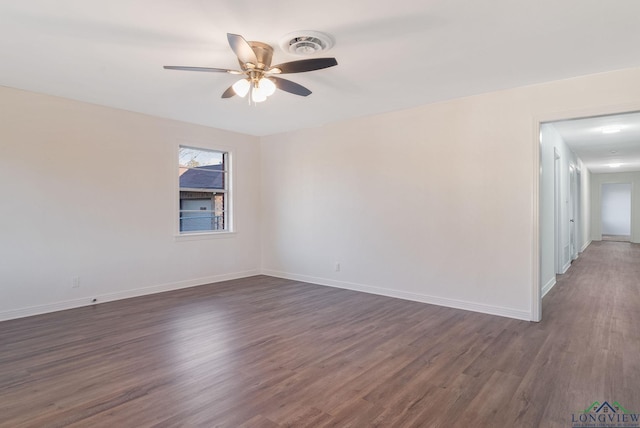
x,y
126,294
566,267
548,286
585,246
423,298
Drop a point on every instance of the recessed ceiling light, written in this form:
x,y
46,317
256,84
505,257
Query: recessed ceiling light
x,y
615,165
613,152
610,129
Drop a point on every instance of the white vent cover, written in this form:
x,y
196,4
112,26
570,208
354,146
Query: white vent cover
x,y
306,42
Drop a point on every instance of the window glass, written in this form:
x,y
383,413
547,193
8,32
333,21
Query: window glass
x,y
204,177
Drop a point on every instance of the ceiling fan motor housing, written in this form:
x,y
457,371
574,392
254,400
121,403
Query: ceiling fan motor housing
x,y
264,53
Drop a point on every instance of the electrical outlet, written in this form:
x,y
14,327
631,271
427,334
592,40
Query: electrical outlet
x,y
337,267
75,282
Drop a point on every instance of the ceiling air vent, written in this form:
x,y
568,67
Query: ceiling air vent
x,y
306,43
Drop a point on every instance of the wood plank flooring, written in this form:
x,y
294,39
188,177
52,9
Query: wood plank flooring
x,y
267,352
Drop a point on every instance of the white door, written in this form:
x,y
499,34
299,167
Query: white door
x,y
616,210
573,213
557,204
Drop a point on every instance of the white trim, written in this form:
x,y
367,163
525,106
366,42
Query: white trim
x,y
566,267
548,286
423,298
198,236
536,292
202,190
126,294
585,246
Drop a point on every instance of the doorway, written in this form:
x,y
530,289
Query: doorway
x,y
576,154
616,211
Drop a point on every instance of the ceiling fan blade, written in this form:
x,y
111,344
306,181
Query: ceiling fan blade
x,y
209,69
242,49
229,92
305,65
291,87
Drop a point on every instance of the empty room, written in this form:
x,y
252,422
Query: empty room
x,y
285,214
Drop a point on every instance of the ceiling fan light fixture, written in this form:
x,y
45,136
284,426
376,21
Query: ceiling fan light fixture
x,y
257,96
241,87
266,86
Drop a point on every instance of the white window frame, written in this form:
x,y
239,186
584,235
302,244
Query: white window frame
x,y
229,229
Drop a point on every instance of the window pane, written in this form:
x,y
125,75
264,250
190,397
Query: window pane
x,y
201,212
205,177
194,158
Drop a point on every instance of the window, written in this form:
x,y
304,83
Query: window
x,y
204,190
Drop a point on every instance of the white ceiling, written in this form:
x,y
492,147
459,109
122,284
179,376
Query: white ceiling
x,y
391,55
600,150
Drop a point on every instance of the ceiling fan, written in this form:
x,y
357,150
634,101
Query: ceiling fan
x,y
260,77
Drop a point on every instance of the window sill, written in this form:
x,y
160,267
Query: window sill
x,y
203,236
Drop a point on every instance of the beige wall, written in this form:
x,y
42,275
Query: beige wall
x,y
434,204
90,192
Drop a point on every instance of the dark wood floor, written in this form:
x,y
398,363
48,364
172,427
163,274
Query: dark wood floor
x,y
266,352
